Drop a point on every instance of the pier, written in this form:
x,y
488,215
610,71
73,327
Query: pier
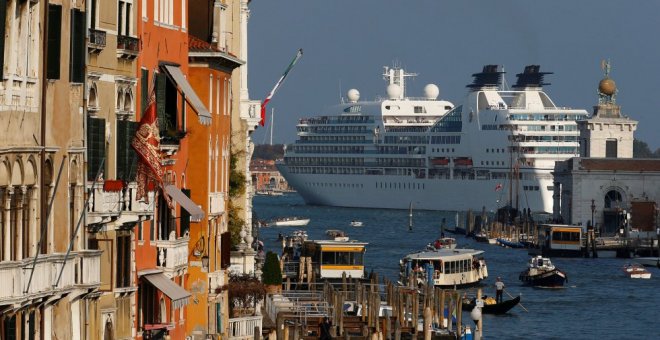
x,y
364,309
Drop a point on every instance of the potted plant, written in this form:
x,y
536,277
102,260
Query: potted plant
x,y
272,274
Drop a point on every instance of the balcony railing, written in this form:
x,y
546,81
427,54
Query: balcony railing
x,y
216,203
96,40
127,47
81,270
244,328
120,206
173,255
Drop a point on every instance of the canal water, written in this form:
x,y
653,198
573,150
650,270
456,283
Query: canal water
x,y
598,302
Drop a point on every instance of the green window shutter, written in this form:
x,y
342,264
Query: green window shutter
x,y
185,215
144,90
161,84
77,53
3,19
54,41
126,156
95,146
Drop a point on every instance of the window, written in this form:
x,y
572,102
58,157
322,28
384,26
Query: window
x,y
144,90
124,17
93,9
3,19
166,222
95,146
123,261
54,41
184,215
611,148
126,156
78,48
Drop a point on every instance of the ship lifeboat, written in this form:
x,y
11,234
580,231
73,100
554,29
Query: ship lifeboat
x,y
463,161
442,161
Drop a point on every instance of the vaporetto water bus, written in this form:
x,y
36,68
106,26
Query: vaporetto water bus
x,y
498,147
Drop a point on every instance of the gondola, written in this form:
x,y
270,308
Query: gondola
x,y
496,308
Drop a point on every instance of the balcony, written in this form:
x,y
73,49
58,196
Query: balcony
x,y
216,203
127,47
243,328
96,40
173,256
119,206
81,275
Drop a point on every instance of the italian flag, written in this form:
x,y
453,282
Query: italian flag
x,y
277,85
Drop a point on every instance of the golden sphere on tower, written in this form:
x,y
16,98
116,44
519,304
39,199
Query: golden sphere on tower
x,y
607,87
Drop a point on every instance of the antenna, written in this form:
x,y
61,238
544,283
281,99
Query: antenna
x,y
272,122
341,99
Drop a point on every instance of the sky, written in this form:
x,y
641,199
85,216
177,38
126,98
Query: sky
x,y
346,43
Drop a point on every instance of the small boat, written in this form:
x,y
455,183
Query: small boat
x,y
490,306
483,238
509,244
648,261
290,222
636,271
541,272
356,223
337,235
444,243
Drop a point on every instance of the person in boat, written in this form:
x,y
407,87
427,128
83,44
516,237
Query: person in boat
x,y
499,289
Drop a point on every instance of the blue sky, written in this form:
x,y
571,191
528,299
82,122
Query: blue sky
x,y
346,43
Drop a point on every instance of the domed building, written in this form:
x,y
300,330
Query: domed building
x,y
605,184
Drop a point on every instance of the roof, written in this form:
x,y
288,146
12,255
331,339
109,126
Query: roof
x,y
444,254
199,45
338,243
620,164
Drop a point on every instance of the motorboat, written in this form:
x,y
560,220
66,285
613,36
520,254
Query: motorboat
x,y
541,272
443,268
636,271
444,243
337,235
356,223
648,261
290,222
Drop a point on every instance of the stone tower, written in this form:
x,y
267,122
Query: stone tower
x,y
607,133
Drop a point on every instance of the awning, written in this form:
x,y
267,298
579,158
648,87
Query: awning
x,y
178,295
196,213
202,113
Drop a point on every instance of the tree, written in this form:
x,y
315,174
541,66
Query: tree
x,y
641,150
272,274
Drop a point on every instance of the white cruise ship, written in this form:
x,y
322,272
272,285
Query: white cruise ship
x,y
498,148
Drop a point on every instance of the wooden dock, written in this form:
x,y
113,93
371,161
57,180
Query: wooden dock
x,y
365,310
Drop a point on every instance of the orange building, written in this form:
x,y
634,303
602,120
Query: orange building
x,y
210,76
161,250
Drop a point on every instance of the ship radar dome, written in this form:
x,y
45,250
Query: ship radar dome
x,y
607,87
431,91
353,95
393,91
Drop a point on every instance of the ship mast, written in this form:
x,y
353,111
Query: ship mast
x,y
397,76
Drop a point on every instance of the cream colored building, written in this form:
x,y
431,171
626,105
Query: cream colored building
x,y
114,215
42,167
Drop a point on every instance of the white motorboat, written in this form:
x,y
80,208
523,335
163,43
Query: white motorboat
x,y
636,271
355,223
648,261
290,222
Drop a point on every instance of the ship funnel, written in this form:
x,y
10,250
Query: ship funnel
x,y
490,76
531,77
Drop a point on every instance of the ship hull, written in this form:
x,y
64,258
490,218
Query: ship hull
x,y
397,192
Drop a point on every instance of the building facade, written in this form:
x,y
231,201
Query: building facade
x,y
48,274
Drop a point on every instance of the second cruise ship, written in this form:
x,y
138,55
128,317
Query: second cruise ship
x,y
497,148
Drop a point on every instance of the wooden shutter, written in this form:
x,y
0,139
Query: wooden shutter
x,y
95,146
77,53
126,156
144,91
3,19
54,41
161,82
225,250
185,215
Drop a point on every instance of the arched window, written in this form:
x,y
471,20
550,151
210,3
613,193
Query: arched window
x,y
92,100
120,99
613,199
128,101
